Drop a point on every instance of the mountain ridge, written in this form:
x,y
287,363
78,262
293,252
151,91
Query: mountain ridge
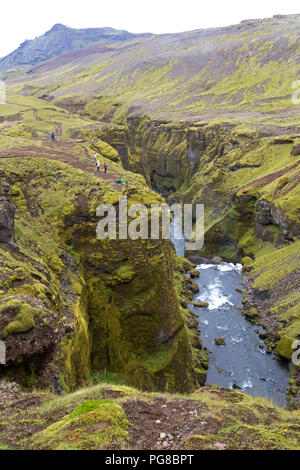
x,y
232,71
61,39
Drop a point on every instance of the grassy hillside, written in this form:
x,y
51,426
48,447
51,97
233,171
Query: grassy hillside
x,y
205,117
87,304
244,68
117,417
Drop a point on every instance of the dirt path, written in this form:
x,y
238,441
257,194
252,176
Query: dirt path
x,y
61,151
270,177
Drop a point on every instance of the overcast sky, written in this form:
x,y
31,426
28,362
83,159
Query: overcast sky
x,y
22,20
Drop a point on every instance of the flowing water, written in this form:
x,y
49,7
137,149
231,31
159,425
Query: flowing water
x,y
241,363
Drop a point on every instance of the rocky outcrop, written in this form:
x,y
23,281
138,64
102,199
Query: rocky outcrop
x,y
296,150
268,214
7,214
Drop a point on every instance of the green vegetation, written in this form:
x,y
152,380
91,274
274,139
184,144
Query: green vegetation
x,y
217,128
106,417
24,319
92,425
114,308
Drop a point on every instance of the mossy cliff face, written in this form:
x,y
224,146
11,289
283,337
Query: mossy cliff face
x,y
169,153
248,178
72,304
251,195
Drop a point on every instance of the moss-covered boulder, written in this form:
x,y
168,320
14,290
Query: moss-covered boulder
x,y
252,313
220,342
201,304
194,273
285,348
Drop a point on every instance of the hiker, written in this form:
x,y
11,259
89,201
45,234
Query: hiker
x,y
121,182
98,165
95,157
105,168
52,136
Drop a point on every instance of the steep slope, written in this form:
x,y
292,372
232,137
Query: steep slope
x,y
206,117
248,179
70,304
60,40
244,68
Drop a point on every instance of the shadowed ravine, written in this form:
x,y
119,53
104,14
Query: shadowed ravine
x,y
241,363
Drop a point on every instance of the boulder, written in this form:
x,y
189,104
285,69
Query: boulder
x,y
220,342
194,273
201,304
217,260
236,387
285,347
194,288
296,150
252,313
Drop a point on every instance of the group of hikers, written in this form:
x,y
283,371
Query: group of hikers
x,y
105,167
97,163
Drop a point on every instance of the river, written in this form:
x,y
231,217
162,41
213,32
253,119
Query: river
x,y
241,363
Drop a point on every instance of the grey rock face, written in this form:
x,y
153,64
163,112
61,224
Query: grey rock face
x,y
7,216
268,214
61,40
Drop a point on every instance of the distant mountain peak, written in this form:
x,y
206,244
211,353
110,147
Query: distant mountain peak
x,y
59,40
58,26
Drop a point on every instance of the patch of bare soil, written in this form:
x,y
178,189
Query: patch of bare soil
x,y
165,424
271,177
13,402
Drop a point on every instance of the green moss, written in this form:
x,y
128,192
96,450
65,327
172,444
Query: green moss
x,y
77,349
90,426
24,320
87,407
106,150
247,261
284,347
86,419
125,271
270,270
